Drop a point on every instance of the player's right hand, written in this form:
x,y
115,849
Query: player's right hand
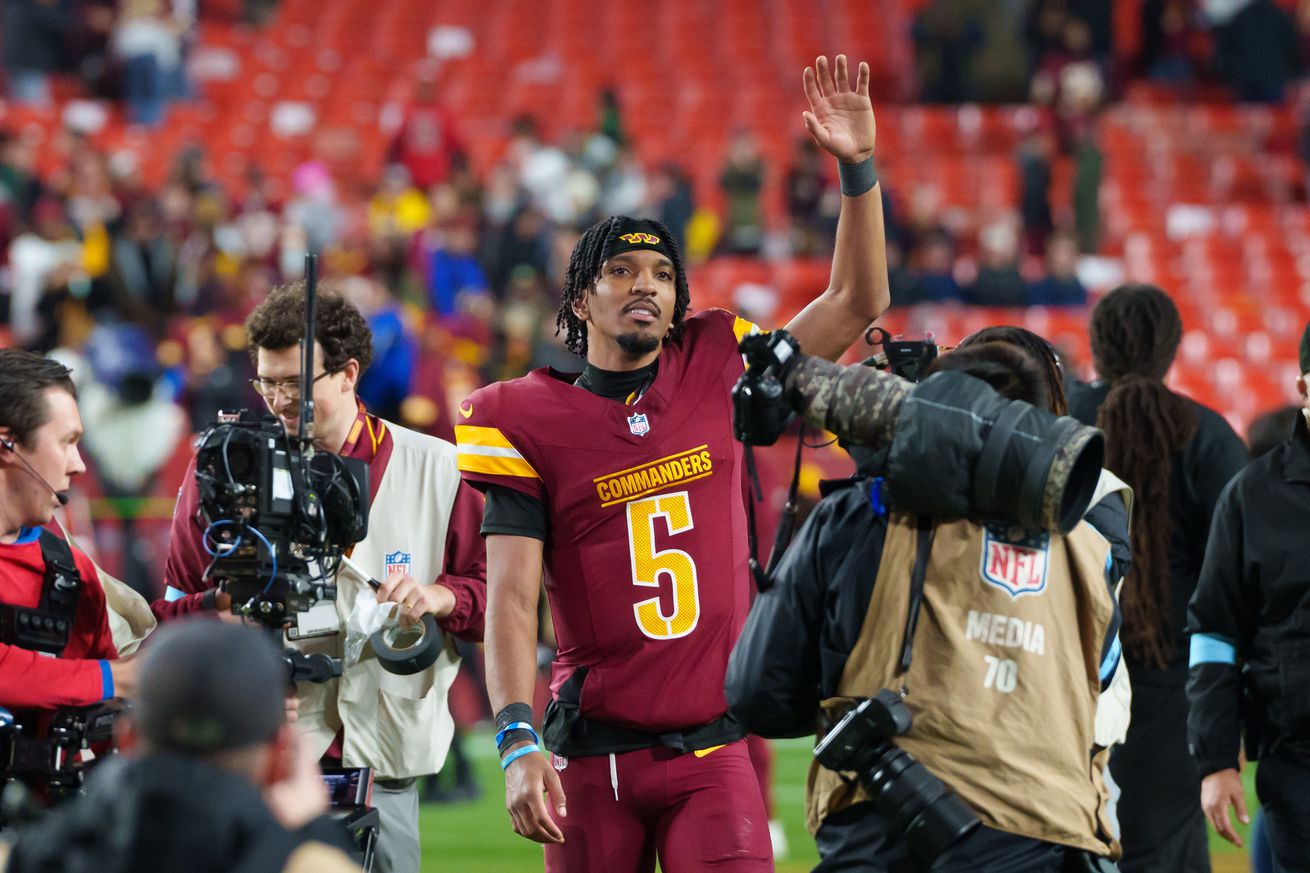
x,y
1220,790
528,781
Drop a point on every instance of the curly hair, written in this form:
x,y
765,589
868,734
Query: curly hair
x,y
584,270
279,323
1038,350
1135,332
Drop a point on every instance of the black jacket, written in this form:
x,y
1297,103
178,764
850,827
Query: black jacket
x,y
801,631
1200,470
162,814
1252,608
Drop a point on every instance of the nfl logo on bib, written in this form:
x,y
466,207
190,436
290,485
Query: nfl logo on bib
x,y
397,562
1015,560
639,424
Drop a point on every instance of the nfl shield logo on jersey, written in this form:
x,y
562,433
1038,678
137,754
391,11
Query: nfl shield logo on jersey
x,y
639,424
1015,560
398,562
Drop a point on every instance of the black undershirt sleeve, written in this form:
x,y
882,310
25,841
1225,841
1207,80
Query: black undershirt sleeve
x,y
512,513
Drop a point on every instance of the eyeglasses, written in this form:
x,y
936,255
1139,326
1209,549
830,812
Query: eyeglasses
x,y
290,388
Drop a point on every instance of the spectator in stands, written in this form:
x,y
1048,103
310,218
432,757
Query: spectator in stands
x,y
623,184
999,282
33,34
742,181
946,36
148,42
386,383
812,203
43,261
1256,52
609,120
1178,455
670,201
524,240
398,208
428,143
1168,32
314,209
19,185
144,268
934,271
543,170
217,377
1060,286
1034,159
450,265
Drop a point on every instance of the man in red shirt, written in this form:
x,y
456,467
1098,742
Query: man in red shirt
x,y
423,532
625,483
39,430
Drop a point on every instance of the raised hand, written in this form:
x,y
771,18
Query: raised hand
x,y
840,118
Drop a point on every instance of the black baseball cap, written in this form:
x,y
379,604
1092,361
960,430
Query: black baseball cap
x,y
206,686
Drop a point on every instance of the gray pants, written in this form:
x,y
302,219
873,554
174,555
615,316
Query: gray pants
x,y
396,801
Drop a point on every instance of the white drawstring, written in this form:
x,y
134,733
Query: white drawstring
x,y
614,776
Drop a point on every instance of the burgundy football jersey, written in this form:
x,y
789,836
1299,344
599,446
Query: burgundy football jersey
x,y
646,553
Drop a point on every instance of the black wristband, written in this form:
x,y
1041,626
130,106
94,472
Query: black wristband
x,y
512,713
517,735
856,179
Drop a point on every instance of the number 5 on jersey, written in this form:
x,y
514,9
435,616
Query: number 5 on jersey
x,y
648,565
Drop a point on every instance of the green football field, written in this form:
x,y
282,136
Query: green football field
x,y
475,836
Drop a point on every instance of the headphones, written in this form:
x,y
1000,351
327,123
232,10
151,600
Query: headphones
x,y
7,443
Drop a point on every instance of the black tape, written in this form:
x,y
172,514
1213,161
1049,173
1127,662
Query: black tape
x,y
413,658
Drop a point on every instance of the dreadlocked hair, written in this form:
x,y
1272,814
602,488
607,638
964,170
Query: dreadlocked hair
x,y
1037,349
1135,332
584,270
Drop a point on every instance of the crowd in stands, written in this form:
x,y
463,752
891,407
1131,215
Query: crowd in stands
x,y
459,270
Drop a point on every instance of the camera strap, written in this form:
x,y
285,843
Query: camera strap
x,y
786,523
923,550
758,573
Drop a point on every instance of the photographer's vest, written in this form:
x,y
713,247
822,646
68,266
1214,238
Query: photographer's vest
x,y
1004,679
398,725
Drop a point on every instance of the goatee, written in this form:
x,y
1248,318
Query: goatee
x,y
638,344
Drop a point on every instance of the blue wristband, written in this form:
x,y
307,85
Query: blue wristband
x,y
515,726
518,753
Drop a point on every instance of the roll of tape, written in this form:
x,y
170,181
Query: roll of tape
x,y
405,651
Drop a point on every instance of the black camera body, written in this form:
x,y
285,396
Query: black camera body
x,y
45,755
276,520
922,809
760,412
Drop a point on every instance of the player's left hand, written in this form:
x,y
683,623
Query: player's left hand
x,y
415,598
840,118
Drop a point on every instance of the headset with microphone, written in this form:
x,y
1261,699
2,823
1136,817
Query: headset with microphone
x,y
59,495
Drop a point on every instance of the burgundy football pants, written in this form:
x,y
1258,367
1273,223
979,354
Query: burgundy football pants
x,y
694,812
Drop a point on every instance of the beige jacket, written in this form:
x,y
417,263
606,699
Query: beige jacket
x,y
1004,681
398,725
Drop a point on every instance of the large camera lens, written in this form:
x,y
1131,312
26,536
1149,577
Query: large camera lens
x,y
920,807
919,804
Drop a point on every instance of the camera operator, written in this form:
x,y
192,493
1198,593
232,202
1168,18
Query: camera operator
x,y
212,777
423,529
43,579
1013,639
